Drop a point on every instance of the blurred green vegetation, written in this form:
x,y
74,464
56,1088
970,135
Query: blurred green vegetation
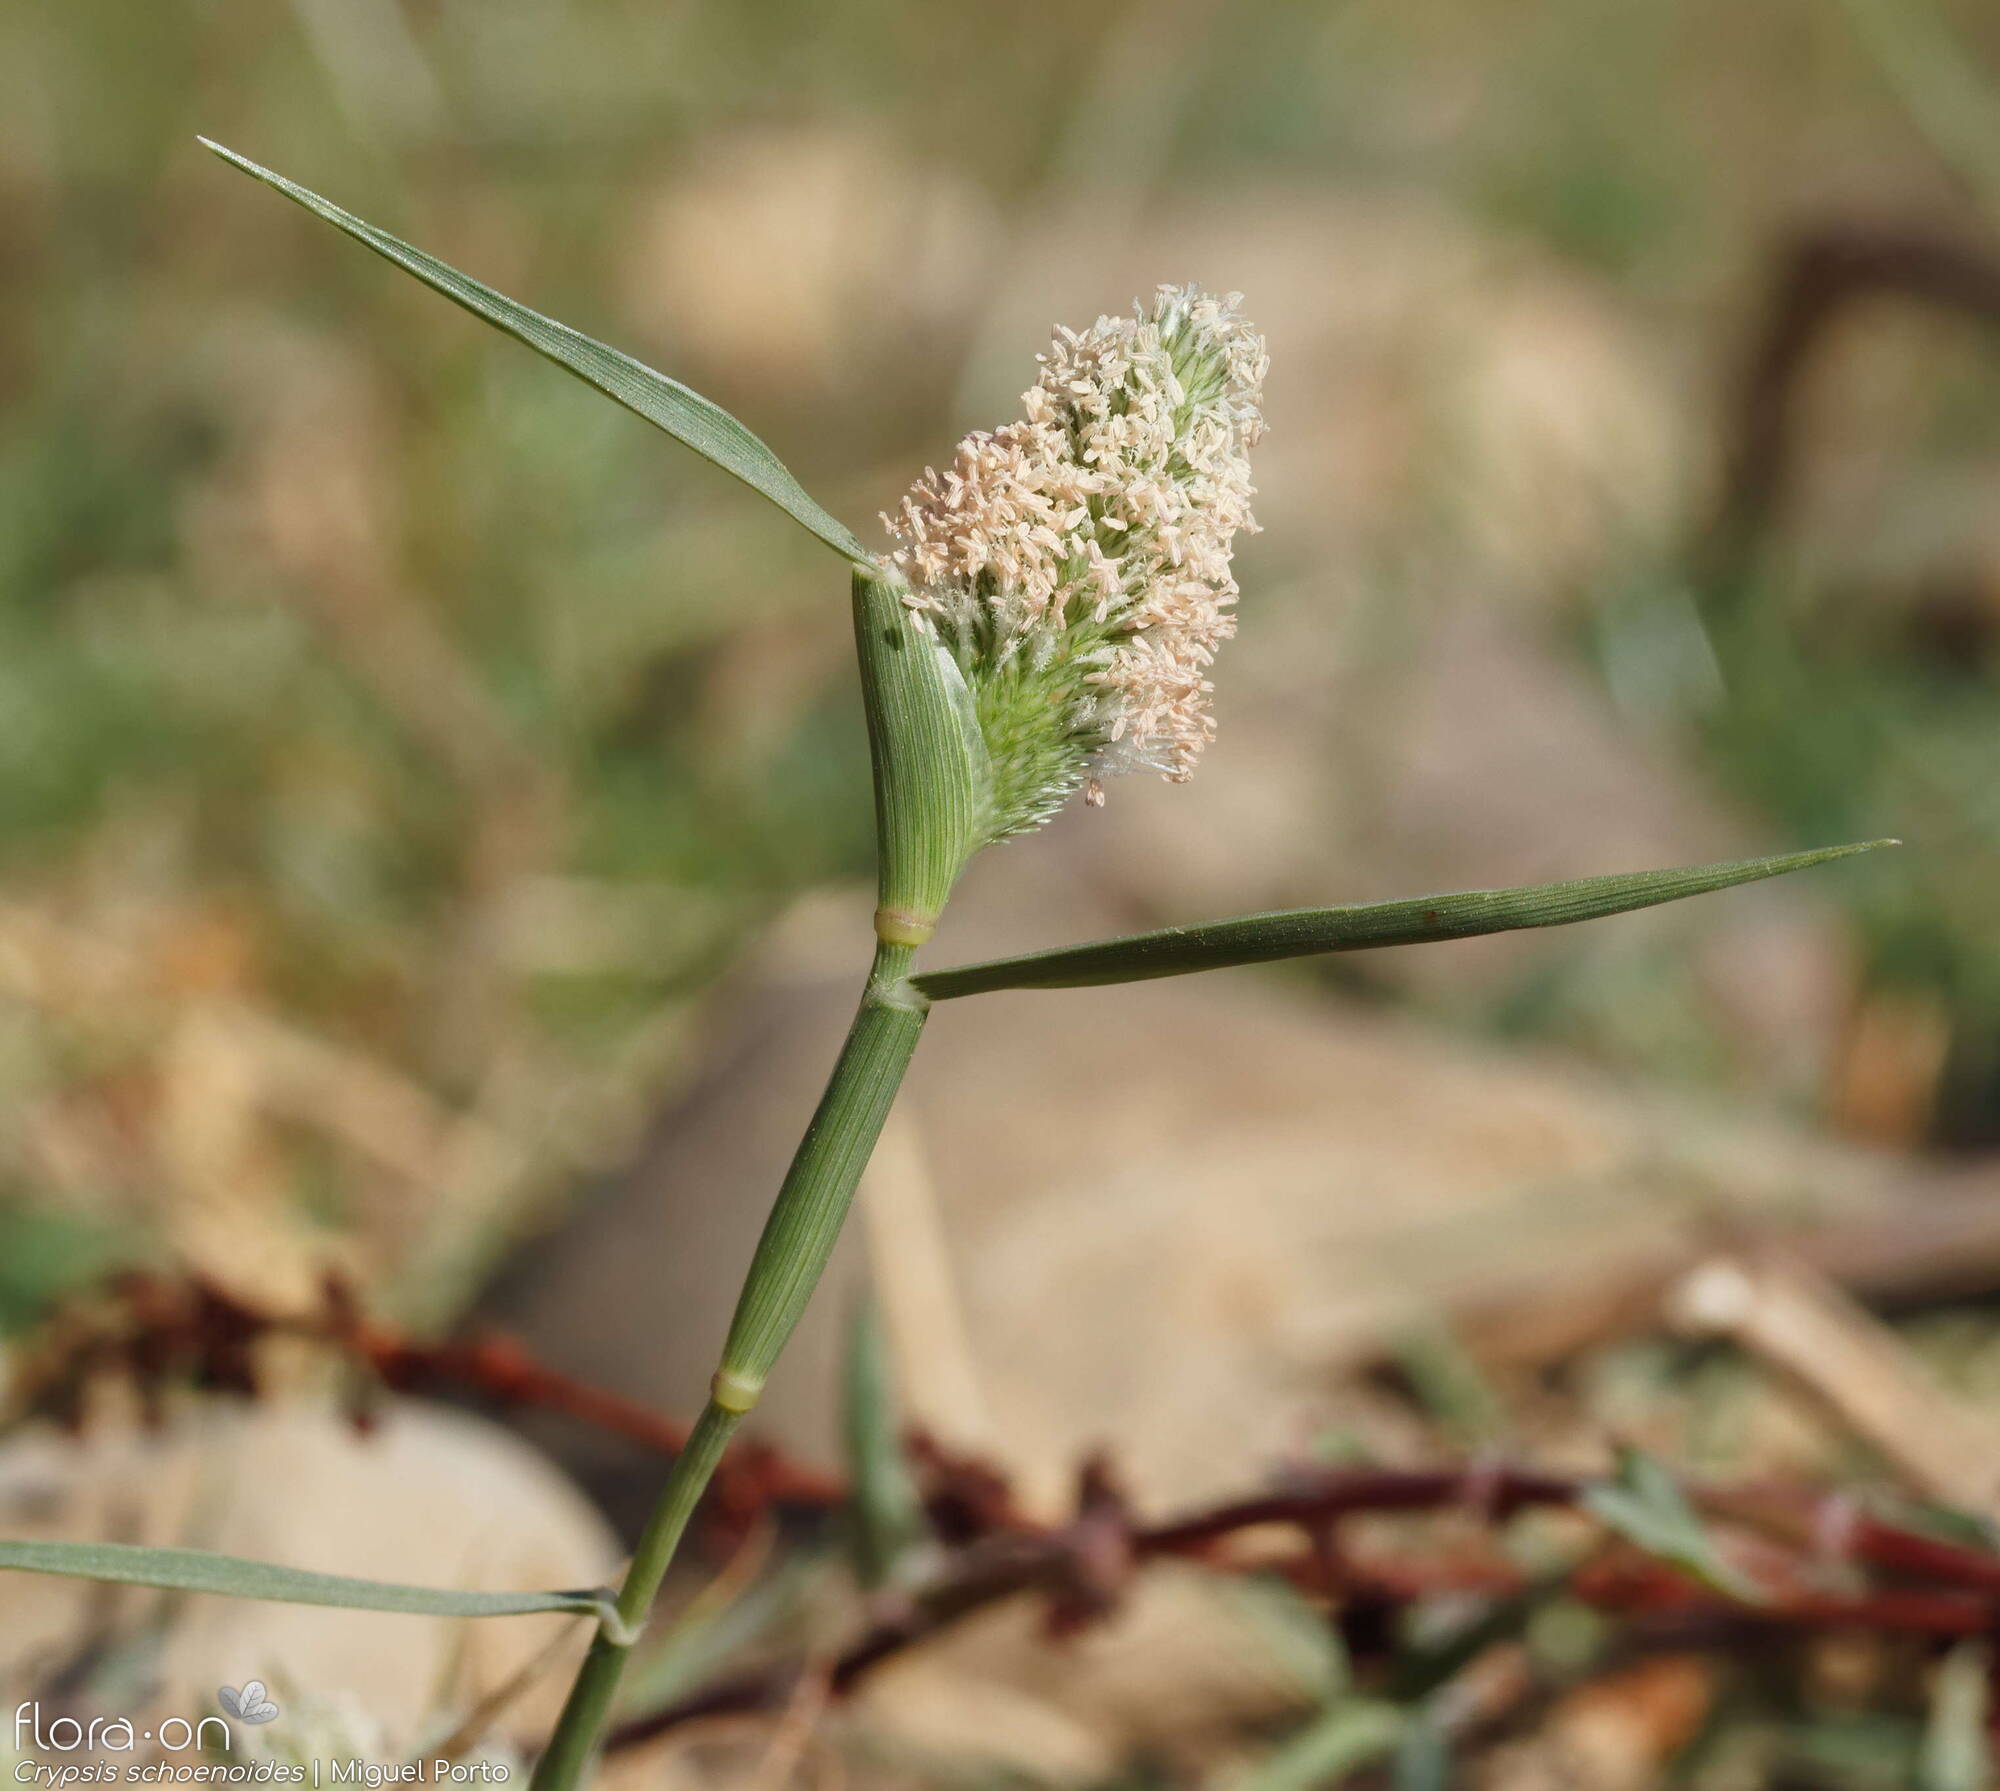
x,y
358,670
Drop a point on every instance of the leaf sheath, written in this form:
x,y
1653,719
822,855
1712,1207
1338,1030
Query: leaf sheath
x,y
812,1204
932,780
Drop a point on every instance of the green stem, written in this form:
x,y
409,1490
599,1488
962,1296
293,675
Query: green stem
x,y
798,1238
930,781
569,1752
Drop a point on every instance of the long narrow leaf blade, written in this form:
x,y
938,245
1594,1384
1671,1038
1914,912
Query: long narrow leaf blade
x,y
685,415
195,1570
885,1516
1305,932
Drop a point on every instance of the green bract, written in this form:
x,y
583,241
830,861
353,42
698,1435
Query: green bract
x,y
933,780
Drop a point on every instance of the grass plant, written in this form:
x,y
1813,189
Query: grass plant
x,y
1045,619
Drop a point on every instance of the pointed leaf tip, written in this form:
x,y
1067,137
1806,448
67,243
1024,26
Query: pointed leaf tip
x,y
1307,932
694,421
229,1576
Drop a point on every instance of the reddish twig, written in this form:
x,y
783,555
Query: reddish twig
x,y
160,1333
1059,1564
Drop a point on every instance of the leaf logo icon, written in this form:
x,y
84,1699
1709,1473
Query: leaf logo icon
x,y
251,1705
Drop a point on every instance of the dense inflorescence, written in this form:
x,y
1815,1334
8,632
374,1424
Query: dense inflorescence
x,y
1077,563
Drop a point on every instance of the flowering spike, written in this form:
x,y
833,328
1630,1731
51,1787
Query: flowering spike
x,y
1077,563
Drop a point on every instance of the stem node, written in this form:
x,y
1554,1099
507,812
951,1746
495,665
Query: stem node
x,y
896,926
735,1392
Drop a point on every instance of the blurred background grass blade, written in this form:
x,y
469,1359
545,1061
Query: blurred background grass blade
x,y
1302,932
1956,1753
884,1516
196,1570
1423,1757
1646,1507
1433,1662
1352,1734
685,415
1449,1384
1942,87
724,1621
